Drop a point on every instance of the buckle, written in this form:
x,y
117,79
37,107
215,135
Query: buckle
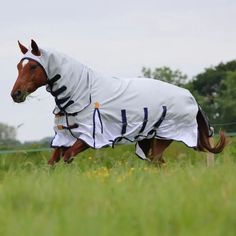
x,y
60,127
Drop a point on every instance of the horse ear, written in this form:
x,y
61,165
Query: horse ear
x,y
35,48
23,49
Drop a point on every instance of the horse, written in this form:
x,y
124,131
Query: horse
x,y
93,111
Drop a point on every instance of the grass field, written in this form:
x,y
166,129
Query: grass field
x,y
111,192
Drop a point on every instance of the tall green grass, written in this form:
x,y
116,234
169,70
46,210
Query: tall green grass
x,y
111,192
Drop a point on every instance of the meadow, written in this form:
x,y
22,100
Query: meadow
x,y
112,192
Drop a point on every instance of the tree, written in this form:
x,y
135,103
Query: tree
x,y
227,102
214,90
7,134
175,77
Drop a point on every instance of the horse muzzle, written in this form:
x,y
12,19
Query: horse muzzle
x,y
19,96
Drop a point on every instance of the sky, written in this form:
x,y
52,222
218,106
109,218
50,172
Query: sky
x,y
115,38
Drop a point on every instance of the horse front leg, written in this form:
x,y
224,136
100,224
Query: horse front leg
x,y
158,146
56,155
76,148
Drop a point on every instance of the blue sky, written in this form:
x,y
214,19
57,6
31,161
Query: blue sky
x,y
113,37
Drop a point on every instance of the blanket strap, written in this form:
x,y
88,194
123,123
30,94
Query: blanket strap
x,y
54,79
58,91
67,105
61,127
61,100
145,119
124,121
96,111
158,123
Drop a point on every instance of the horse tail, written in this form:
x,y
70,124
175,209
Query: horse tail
x,y
205,132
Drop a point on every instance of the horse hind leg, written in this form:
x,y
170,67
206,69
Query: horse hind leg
x,y
158,146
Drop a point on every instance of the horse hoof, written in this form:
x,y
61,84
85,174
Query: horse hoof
x,y
69,160
51,162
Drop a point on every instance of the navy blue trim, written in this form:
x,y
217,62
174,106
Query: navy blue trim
x,y
158,123
54,79
67,123
62,113
152,132
96,110
67,105
145,120
58,91
118,139
124,121
94,127
61,100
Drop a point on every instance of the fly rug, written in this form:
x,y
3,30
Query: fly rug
x,y
96,111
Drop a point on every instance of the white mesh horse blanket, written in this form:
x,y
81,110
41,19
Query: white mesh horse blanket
x,y
103,111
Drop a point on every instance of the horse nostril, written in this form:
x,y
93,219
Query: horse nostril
x,y
18,93
16,96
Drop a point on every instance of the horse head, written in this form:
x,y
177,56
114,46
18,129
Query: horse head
x,y
31,74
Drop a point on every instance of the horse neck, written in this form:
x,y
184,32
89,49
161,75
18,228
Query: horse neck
x,y
69,79
63,66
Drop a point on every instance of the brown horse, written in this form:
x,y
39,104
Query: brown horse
x,y
32,75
